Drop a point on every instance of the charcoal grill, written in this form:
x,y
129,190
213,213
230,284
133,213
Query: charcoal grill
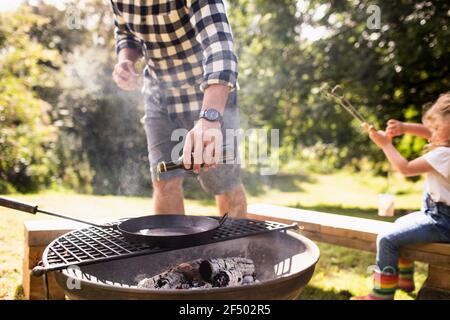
x,y
95,263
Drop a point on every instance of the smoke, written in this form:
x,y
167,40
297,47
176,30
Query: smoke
x,y
107,120
130,179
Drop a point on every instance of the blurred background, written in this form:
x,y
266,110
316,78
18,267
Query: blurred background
x,y
65,124
68,134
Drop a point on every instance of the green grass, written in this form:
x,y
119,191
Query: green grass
x,y
340,272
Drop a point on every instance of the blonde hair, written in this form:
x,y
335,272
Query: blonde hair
x,y
439,110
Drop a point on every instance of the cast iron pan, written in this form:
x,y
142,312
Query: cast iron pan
x,y
159,230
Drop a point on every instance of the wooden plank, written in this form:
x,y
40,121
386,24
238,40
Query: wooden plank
x,y
38,234
412,253
440,248
353,227
408,252
304,225
42,232
438,277
358,233
317,217
33,287
341,241
32,256
351,234
429,293
26,284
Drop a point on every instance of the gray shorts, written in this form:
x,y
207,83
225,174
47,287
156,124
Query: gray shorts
x,y
159,126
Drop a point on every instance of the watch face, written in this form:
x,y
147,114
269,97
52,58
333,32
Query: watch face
x,y
212,114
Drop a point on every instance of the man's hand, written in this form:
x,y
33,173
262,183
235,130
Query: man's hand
x,y
380,138
395,128
125,75
204,141
204,145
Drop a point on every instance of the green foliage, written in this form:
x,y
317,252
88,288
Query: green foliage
x,y
33,153
105,122
27,139
386,73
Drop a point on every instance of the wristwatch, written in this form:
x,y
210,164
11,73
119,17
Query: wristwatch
x,y
211,114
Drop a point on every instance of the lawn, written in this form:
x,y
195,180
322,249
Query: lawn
x,y
340,273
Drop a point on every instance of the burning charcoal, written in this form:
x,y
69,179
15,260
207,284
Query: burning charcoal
x,y
166,280
174,278
220,280
148,283
210,268
225,278
190,270
248,280
201,274
203,285
170,280
185,285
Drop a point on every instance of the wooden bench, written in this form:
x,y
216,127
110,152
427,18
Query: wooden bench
x,y
360,233
38,234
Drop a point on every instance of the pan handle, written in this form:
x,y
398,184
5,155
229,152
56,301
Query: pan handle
x,y
21,206
25,207
223,219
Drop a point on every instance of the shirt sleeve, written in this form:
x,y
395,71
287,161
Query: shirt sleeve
x,y
213,32
439,159
123,36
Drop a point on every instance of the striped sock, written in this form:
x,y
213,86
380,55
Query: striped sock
x,y
384,285
406,275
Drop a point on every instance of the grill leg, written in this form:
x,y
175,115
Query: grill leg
x,y
46,290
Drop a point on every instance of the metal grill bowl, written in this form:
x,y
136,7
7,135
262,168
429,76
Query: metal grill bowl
x,y
284,261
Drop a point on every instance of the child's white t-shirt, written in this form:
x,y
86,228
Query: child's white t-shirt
x,y
438,182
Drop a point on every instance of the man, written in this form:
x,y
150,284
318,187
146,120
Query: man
x,y
190,82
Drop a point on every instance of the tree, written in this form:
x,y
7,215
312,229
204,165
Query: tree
x,y
386,73
27,138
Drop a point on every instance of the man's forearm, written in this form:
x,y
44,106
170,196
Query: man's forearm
x,y
417,129
216,96
132,54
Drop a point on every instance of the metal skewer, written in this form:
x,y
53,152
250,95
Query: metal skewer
x,y
343,102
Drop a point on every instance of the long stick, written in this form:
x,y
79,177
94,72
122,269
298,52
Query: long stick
x,y
344,103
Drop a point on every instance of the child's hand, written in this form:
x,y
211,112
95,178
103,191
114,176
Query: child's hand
x,y
395,128
380,138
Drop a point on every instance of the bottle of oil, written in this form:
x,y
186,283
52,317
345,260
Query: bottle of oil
x,y
228,154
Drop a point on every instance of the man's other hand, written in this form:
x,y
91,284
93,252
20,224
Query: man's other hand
x,y
125,75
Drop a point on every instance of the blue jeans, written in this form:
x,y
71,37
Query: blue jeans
x,y
431,224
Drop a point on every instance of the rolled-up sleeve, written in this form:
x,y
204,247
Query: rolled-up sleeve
x,y
213,32
124,38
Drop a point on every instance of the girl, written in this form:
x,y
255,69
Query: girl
x,y
432,223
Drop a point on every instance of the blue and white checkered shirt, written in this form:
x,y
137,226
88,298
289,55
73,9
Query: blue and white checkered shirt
x,y
188,45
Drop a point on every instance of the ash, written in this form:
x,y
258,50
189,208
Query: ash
x,y
204,274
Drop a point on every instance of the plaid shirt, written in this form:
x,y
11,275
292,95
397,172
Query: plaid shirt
x,y
188,46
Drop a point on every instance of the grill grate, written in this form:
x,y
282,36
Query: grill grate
x,y
94,245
